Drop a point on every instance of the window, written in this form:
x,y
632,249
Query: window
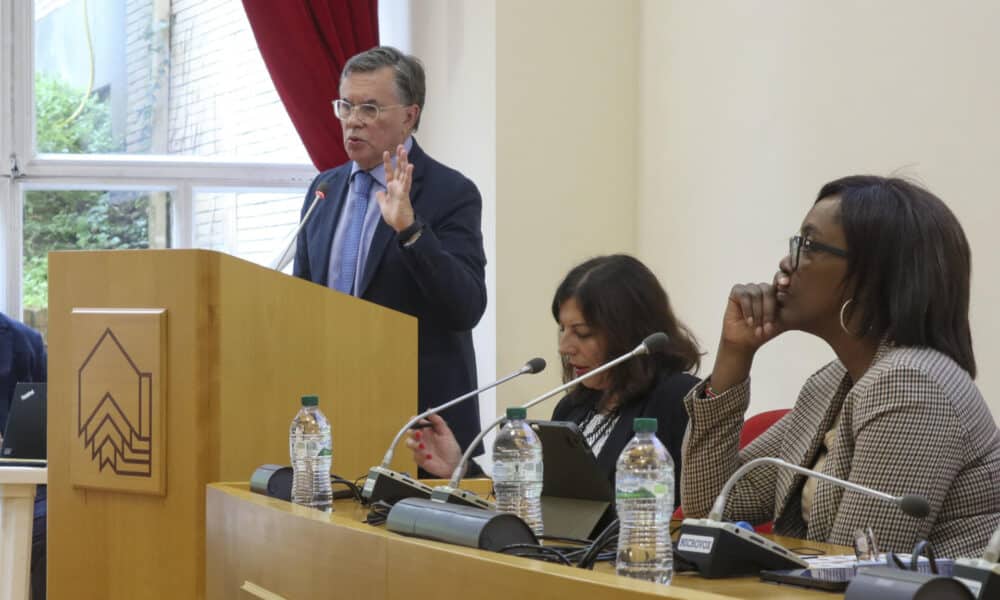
x,y
138,124
75,218
253,225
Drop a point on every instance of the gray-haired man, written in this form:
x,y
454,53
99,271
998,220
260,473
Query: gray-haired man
x,y
401,229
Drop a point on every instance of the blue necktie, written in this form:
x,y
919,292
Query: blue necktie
x,y
351,249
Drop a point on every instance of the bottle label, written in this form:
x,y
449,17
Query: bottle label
x,y
512,471
658,490
311,448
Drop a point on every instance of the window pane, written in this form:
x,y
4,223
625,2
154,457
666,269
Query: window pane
x,y
84,220
254,226
179,77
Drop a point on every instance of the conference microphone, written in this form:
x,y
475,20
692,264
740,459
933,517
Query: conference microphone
x,y
981,575
653,344
288,253
721,549
970,579
391,486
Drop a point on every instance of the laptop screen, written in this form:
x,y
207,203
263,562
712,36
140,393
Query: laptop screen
x,y
24,436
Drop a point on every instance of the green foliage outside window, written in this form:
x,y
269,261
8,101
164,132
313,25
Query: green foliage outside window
x,y
75,220
63,126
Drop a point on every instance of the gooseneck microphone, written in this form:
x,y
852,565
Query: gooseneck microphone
x,y
286,256
721,549
442,518
653,344
911,504
535,365
390,486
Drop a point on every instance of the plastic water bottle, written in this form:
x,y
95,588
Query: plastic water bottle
x,y
311,447
517,470
644,497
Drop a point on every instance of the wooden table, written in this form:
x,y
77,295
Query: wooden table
x,y
258,547
17,512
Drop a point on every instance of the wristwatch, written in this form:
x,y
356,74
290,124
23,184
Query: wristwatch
x,y
411,234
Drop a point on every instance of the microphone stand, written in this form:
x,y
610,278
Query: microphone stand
x,y
458,517
390,486
915,506
286,256
452,493
720,549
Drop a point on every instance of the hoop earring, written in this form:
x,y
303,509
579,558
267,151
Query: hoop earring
x,y
843,307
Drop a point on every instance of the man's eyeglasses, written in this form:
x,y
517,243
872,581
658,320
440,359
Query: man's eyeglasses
x,y
796,243
366,112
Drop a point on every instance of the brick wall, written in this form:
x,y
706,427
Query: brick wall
x,y
139,69
219,86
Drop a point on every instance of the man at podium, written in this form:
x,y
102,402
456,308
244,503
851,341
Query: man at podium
x,y
400,229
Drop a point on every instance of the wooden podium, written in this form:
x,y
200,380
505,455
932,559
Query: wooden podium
x,y
170,369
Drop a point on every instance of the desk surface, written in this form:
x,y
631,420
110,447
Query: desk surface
x,y
262,542
19,475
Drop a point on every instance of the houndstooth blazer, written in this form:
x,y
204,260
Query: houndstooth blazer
x,y
915,423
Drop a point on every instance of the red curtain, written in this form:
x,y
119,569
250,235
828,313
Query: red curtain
x,y
305,44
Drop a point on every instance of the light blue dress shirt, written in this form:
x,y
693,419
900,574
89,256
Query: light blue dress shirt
x,y
372,217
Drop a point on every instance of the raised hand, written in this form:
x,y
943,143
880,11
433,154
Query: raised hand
x,y
394,202
435,448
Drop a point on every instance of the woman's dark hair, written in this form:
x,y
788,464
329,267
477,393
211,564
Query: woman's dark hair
x,y
623,301
908,264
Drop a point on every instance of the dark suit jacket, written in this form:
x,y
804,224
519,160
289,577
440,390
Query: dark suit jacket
x,y
663,400
440,279
22,358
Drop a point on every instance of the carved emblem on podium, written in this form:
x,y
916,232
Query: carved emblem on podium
x,y
118,430
115,440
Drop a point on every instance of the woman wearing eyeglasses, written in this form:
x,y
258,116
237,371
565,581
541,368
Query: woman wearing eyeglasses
x,y
880,271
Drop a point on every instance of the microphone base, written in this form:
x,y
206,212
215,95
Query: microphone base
x,y
272,480
389,486
450,495
891,583
454,524
720,549
980,576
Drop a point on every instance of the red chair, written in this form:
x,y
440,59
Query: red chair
x,y
753,427
758,424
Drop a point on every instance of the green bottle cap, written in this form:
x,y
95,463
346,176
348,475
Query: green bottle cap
x,y
310,400
644,425
517,412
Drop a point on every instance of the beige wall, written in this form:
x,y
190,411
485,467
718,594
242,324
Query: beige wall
x,y
565,121
695,135
746,108
456,40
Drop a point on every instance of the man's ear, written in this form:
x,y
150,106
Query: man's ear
x,y
412,112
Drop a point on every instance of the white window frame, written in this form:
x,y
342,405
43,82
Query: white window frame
x,y
179,175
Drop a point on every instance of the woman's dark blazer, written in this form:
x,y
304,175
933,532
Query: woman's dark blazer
x,y
663,400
